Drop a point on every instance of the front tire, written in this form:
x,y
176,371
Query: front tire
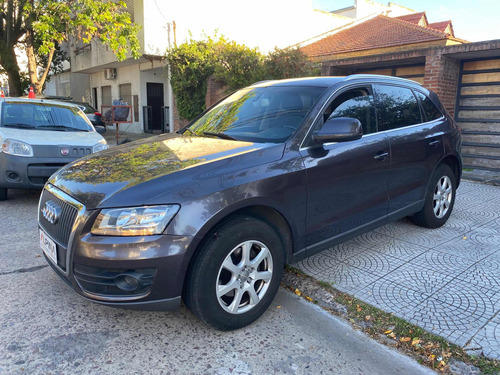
x,y
439,200
236,274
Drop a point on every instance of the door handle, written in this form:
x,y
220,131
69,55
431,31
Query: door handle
x,y
381,156
434,143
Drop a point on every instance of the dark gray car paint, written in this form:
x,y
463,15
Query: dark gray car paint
x,y
326,193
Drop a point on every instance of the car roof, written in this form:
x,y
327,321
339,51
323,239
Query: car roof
x,y
331,81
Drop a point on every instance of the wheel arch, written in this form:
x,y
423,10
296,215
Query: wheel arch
x,y
267,214
455,164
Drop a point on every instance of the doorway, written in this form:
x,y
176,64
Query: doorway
x,y
155,101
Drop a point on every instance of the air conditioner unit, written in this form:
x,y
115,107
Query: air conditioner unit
x,y
110,73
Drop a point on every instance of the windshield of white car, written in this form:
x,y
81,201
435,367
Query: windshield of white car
x,y
258,114
43,116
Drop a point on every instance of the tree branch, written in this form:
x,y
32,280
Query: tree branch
x,y
47,69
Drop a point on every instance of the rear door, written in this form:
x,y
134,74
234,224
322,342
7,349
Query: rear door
x,y
416,145
347,182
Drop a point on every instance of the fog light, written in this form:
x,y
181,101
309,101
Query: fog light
x,y
13,176
127,282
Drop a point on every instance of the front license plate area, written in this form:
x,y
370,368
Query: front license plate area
x,y
48,246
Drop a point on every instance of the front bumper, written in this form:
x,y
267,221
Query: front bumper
x,y
18,172
94,265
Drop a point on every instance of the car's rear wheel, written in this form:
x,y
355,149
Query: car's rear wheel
x,y
235,274
3,194
439,200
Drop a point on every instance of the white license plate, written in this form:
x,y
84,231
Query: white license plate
x,y
48,246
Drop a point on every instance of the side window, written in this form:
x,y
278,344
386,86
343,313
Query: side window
x,y
431,112
357,103
397,107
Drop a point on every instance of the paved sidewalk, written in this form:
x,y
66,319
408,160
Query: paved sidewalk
x,y
445,280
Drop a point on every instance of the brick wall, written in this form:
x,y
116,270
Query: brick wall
x,y
216,90
179,122
441,76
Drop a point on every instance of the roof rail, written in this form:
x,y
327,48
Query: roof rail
x,y
375,76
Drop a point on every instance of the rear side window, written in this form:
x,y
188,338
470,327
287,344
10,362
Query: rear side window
x,y
431,112
397,107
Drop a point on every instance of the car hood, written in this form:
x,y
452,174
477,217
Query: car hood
x,y
136,172
51,138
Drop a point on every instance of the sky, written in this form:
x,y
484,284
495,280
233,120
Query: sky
x,y
473,20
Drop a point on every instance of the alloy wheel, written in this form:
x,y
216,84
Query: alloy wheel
x,y
244,277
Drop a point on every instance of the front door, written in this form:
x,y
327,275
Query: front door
x,y
155,101
347,182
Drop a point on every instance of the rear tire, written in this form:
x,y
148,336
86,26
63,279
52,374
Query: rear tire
x,y
439,199
235,274
3,194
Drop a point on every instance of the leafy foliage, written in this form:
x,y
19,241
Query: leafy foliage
x,y
39,26
289,63
193,62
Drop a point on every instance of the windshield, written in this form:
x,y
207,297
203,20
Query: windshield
x,y
260,114
43,116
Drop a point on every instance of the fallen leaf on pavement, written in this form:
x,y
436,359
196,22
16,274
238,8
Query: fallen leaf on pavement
x,y
388,331
297,292
278,307
309,299
405,339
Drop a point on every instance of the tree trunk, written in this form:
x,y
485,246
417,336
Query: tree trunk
x,y
8,61
33,66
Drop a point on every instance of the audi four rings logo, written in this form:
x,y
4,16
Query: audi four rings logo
x,y
51,211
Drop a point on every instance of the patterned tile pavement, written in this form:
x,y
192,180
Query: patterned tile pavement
x,y
445,280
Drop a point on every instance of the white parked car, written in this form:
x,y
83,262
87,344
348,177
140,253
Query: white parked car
x,y
37,137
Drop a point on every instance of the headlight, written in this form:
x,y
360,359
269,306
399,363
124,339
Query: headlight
x,y
18,148
135,221
102,145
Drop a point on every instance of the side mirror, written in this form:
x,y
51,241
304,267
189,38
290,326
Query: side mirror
x,y
339,129
100,129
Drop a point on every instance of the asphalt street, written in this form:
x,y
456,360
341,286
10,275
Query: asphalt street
x,y
45,328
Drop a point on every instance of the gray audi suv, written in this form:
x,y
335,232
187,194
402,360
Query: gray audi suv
x,y
272,174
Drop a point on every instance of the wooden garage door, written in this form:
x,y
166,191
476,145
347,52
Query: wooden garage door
x,y
478,113
413,72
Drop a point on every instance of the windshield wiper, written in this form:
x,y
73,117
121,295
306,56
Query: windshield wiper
x,y
19,125
220,135
61,128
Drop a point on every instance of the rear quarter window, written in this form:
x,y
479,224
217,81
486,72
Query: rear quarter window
x,y
397,107
429,109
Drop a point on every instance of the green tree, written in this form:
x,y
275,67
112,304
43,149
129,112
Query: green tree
x,y
289,63
191,63
39,26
